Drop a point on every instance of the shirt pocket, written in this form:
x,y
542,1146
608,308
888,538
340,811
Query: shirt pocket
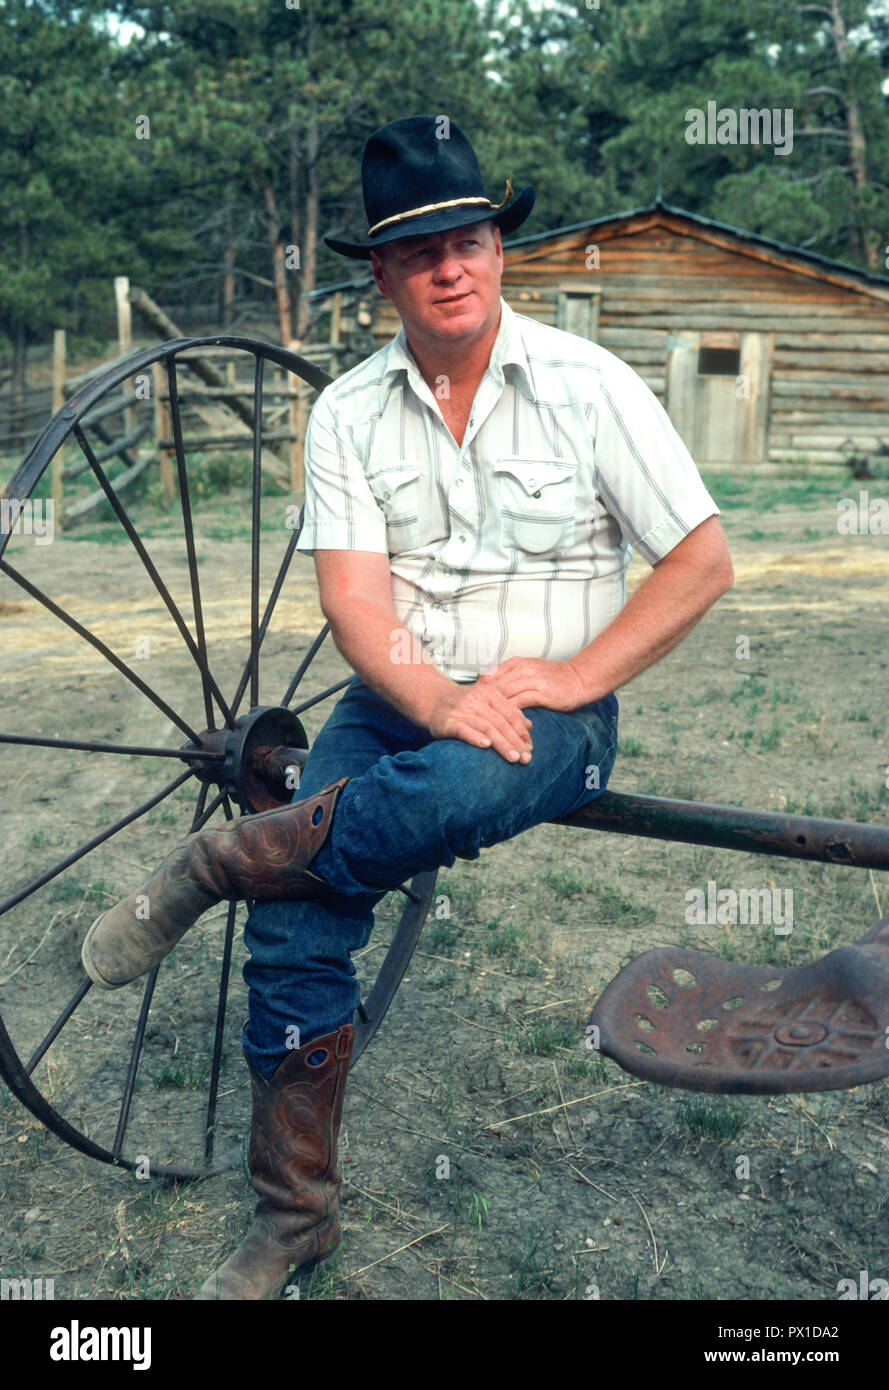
x,y
537,500
398,490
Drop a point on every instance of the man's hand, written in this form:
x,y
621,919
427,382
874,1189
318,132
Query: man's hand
x,y
526,681
483,716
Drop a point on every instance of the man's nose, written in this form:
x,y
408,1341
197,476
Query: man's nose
x,y
448,266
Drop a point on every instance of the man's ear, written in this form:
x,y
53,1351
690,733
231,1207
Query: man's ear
x,y
379,273
498,242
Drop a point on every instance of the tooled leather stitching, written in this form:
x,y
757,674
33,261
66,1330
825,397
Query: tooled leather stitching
x,y
236,860
293,1142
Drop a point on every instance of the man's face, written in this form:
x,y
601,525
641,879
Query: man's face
x,y
445,285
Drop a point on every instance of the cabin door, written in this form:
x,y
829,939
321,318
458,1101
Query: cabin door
x,y
718,394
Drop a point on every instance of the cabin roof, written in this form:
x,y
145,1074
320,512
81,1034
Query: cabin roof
x,y
860,276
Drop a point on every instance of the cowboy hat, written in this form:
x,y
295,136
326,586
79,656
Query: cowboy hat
x,y
421,175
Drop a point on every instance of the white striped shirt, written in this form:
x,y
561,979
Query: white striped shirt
x,y
515,542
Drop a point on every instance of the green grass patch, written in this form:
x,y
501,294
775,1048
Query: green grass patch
x,y
546,1038
192,1073
713,1117
564,883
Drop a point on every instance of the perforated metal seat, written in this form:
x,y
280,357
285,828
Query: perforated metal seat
x,y
688,1019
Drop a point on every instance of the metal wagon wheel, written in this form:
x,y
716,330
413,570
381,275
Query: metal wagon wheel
x,y
248,757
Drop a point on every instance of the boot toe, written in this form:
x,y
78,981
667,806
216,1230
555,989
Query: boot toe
x,y
94,958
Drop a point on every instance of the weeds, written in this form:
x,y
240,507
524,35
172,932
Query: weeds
x,y
717,1117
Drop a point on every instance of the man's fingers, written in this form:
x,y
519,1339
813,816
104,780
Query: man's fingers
x,y
500,735
522,695
517,719
494,738
509,718
487,719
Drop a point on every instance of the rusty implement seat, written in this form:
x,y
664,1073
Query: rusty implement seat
x,y
688,1019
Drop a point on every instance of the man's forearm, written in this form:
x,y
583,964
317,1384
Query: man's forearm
x,y
387,657
662,611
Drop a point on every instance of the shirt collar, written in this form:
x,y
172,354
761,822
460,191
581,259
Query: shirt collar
x,y
508,350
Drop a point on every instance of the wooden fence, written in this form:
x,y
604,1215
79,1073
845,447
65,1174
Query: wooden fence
x,y
132,426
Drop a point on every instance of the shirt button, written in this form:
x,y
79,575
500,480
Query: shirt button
x,y
459,482
462,540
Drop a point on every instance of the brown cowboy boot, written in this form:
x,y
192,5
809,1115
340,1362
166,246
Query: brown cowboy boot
x,y
261,857
292,1161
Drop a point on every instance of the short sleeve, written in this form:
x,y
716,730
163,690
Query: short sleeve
x,y
341,512
646,476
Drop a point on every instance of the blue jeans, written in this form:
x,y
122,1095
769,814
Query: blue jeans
x,y
412,803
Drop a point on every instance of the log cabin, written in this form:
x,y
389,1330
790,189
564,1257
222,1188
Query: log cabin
x,y
765,355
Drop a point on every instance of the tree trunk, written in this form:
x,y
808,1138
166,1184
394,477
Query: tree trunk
x,y
295,211
865,248
310,240
309,255
282,290
20,348
228,280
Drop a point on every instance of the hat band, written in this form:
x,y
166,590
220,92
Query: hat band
x,y
429,207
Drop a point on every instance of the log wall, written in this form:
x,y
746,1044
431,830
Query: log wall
x,y
658,274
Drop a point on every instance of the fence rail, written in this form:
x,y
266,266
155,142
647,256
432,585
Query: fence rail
x,y
133,425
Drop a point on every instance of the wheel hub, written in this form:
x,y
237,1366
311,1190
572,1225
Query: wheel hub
x,y
257,759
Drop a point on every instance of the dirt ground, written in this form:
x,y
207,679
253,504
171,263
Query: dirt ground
x,y
487,1153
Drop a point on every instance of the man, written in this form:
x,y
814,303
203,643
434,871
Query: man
x,y
473,491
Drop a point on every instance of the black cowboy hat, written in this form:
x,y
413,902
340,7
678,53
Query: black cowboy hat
x,y
420,175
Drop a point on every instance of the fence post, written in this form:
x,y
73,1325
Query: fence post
x,y
58,400
124,336
162,429
295,421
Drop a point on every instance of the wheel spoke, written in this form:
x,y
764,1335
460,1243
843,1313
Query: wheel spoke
x,y
91,844
254,537
141,551
176,421
222,1004
269,608
331,690
100,646
201,820
304,664
203,754
82,991
199,804
135,1055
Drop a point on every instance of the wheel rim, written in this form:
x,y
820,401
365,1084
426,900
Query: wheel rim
x,y
246,757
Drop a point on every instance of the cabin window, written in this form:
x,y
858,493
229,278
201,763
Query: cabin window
x,y
577,311
714,361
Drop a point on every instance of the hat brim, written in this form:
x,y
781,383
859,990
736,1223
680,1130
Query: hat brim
x,y
506,218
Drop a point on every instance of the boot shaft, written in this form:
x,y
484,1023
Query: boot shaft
x,y
264,856
296,1122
